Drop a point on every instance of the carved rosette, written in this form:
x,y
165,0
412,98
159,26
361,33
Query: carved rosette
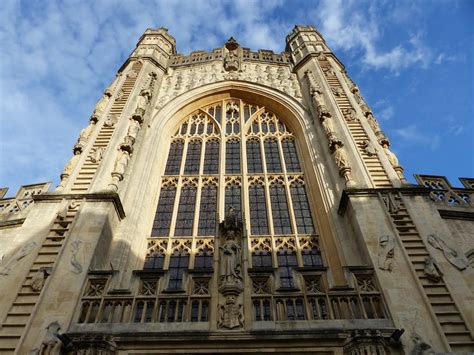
x,y
230,272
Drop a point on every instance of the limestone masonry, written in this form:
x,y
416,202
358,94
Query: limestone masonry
x,y
236,201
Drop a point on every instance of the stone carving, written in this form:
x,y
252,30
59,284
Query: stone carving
x,y
390,203
368,148
337,91
183,79
349,114
102,104
455,258
431,270
133,129
230,278
132,74
39,278
329,71
68,169
231,59
50,344
84,135
419,346
97,154
121,162
111,120
392,158
232,107
63,209
230,314
120,95
386,252
76,257
24,251
341,160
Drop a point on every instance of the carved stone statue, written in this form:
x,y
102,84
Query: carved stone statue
x,y
392,158
355,91
10,263
386,252
111,120
431,270
230,314
102,103
121,162
341,160
368,148
230,262
329,71
133,129
450,254
85,133
68,169
97,154
337,91
50,343
39,278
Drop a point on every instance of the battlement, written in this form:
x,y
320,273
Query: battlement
x,y
23,198
444,192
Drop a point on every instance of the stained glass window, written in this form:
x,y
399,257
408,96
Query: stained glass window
x,y
174,158
232,158
185,217
280,213
211,157
291,157
258,210
304,220
272,156
178,265
208,211
286,262
164,211
193,158
254,157
233,199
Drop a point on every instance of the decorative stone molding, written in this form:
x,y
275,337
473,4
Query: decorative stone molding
x,y
386,252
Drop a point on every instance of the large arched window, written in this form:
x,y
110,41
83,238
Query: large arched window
x,y
233,153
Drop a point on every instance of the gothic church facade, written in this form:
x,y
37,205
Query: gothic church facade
x,y
236,202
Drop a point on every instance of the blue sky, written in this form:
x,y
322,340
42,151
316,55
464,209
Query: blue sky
x,y
413,61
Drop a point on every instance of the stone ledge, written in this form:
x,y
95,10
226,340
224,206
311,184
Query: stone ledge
x,y
93,197
406,190
456,214
12,223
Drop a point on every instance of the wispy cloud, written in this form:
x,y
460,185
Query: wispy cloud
x,y
415,135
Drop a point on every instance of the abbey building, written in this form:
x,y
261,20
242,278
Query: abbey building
x,y
236,201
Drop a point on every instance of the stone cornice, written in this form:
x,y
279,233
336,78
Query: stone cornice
x,y
406,190
92,197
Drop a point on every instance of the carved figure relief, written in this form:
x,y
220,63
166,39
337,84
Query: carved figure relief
x,y
39,278
111,120
368,148
50,343
76,257
341,160
455,258
85,133
349,114
10,263
431,270
133,129
337,91
230,262
419,346
121,162
68,169
102,103
97,154
386,252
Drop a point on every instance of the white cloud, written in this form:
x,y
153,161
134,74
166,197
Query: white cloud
x,y
349,26
414,135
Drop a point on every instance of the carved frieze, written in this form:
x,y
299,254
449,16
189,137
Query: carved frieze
x,y
455,258
386,252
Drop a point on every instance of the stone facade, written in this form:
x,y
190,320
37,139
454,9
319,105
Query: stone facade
x,y
236,201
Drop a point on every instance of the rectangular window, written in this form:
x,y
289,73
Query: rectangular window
x,y
254,157
232,158
286,262
178,265
280,213
208,211
164,211
211,158
291,157
304,221
233,199
193,158
258,210
272,156
185,217
174,158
